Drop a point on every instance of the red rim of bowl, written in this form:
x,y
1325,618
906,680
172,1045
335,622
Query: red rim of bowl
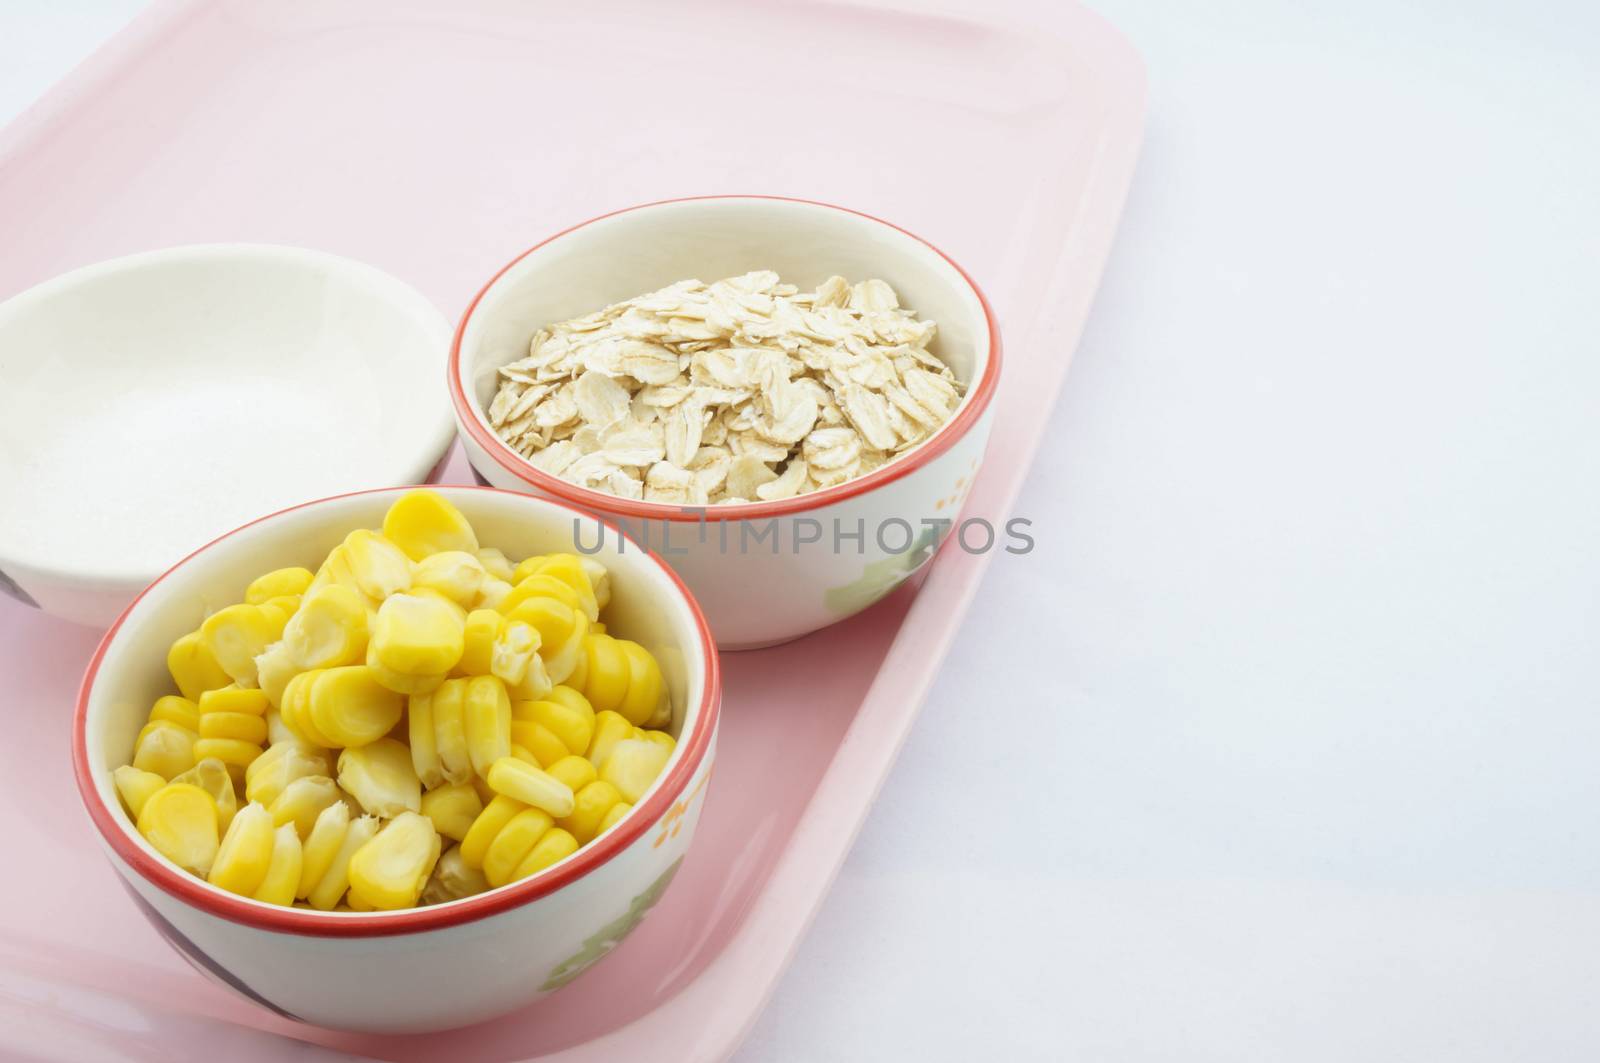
x,y
978,400
213,901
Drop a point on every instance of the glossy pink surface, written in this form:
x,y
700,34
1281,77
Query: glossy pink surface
x,y
436,142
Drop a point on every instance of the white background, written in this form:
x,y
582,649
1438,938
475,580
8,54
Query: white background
x,y
1285,743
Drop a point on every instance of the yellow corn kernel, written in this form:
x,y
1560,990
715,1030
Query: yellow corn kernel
x,y
235,754
180,711
212,776
455,574
511,846
329,630
579,677
381,777
614,816
589,808
281,764
295,703
401,683
277,730
535,683
561,662
237,725
452,879
277,583
135,787
486,716
417,635
275,666
452,809
390,870
574,771
660,738
553,622
661,719
336,880
296,709
568,715
312,761
530,785
283,869
538,587
646,688
553,846
181,822
351,708
302,801
278,611
606,681
423,523
633,765
239,634
492,594
422,740
535,739
450,731
287,604
569,569
233,699
165,749
335,571
622,676
609,729
436,596
495,563
322,845
513,652
193,667
245,853
528,566
478,635
154,725
236,716
495,815
380,567
562,631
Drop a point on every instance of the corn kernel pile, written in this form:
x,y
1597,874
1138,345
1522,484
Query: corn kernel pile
x,y
336,730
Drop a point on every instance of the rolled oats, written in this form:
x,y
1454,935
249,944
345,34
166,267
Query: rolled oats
x,y
744,390
601,400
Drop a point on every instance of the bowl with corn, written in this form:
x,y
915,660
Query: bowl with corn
x,y
400,760
838,502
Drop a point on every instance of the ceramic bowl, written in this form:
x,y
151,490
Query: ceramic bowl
x,y
426,968
764,572
150,403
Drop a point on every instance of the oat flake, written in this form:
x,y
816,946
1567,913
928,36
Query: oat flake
x,y
743,390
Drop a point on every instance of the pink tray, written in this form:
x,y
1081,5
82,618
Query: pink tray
x,y
437,141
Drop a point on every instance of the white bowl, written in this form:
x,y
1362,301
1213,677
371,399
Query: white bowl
x,y
150,403
755,575
425,968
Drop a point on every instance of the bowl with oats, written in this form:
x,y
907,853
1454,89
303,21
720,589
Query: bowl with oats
x,y
787,401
